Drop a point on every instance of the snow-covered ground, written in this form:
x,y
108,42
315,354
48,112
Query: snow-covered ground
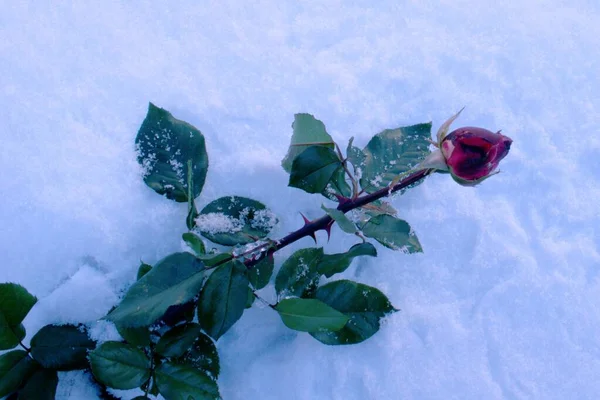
x,y
503,304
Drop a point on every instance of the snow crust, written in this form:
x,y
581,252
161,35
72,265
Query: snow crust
x,y
503,303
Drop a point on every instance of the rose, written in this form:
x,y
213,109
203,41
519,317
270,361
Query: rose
x,y
473,154
470,154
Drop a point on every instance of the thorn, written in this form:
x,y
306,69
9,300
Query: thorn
x,y
306,220
328,230
341,199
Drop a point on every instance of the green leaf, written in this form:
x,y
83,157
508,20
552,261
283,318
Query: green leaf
x,y
203,356
393,233
309,315
176,341
143,270
213,259
393,152
165,146
175,279
343,222
139,336
182,382
299,273
314,168
379,207
223,298
190,220
119,365
15,304
364,305
62,347
307,130
41,386
195,243
235,220
332,264
338,185
356,157
260,274
250,299
15,368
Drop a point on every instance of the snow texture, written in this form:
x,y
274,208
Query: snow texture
x,y
503,304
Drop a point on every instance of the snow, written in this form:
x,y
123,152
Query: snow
x,y
502,304
218,223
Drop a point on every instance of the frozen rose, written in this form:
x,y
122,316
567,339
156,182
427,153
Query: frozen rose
x,y
473,154
469,154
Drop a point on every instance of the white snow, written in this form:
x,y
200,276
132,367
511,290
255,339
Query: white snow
x,y
503,304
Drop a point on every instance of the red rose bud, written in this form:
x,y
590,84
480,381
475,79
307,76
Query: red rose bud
x,y
473,154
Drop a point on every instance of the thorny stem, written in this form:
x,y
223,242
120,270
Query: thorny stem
x,y
310,228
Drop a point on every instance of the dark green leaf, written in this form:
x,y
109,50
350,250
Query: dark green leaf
x,y
260,274
139,336
393,233
165,145
203,356
307,132
299,273
182,382
176,341
223,298
332,264
195,243
140,398
309,315
143,270
15,368
10,336
364,305
314,168
61,347
393,152
41,386
153,388
179,313
119,365
343,222
235,220
176,279
15,303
